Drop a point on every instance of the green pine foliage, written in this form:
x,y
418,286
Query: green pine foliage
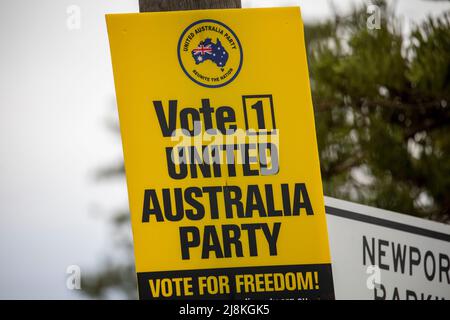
x,y
382,115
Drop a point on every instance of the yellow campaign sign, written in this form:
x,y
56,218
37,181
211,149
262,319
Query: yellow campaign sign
x,y
221,156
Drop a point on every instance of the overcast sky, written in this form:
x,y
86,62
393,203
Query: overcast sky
x,y
56,96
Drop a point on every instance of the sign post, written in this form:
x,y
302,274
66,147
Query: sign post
x,y
220,154
177,5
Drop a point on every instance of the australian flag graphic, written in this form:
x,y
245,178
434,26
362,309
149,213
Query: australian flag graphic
x,y
208,50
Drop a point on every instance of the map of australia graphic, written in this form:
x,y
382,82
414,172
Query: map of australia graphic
x,y
208,50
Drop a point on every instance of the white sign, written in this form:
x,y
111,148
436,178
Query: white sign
x,y
379,254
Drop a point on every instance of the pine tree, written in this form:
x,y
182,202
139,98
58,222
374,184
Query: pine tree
x,y
382,114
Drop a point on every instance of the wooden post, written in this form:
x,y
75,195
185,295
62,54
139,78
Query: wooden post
x,y
176,5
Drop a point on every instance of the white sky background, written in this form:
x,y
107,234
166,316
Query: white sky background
x,y
56,95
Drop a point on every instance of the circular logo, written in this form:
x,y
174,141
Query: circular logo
x,y
210,53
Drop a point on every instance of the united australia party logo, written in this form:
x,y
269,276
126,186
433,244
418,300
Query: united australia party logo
x,y
210,53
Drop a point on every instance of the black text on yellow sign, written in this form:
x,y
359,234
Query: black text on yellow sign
x,y
220,155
